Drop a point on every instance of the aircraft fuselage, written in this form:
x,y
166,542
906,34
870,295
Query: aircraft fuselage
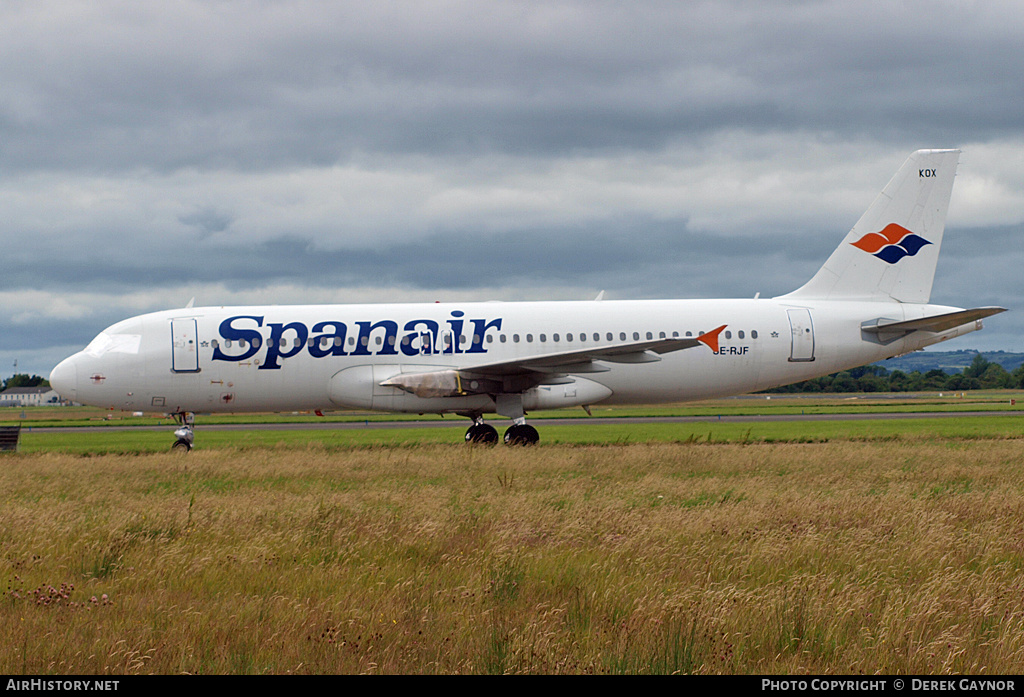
x,y
285,358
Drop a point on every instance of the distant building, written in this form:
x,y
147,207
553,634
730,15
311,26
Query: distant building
x,y
28,397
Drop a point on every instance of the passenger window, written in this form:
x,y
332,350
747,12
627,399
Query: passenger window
x,y
753,333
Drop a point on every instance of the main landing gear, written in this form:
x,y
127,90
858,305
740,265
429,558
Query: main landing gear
x,y
519,433
184,435
480,433
516,434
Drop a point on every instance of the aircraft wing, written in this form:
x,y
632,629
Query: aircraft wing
x,y
579,360
550,368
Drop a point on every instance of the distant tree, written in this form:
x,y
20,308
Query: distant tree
x,y
977,367
995,377
959,381
872,383
935,379
25,380
844,382
1017,377
899,381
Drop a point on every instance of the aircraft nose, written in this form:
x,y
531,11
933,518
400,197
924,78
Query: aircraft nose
x,y
64,379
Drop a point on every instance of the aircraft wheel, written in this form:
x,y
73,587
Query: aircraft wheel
x,y
181,446
483,434
521,434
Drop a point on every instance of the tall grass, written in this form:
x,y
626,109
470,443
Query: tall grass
x,y
855,557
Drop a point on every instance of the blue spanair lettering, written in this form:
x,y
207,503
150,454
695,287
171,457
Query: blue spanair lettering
x,y
417,342
479,330
229,332
278,344
387,345
335,341
328,338
456,335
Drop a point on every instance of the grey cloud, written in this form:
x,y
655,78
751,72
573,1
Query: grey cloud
x,y
266,86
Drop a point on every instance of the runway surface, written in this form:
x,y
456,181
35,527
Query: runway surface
x,y
457,422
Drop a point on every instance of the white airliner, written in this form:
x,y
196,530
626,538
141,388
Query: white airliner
x,y
867,303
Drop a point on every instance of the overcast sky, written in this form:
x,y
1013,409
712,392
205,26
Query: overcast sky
x,y
284,152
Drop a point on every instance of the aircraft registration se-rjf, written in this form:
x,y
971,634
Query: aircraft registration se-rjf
x,y
870,301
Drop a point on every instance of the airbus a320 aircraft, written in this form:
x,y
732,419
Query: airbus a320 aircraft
x,y
870,301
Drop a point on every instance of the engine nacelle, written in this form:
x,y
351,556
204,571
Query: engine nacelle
x,y
361,387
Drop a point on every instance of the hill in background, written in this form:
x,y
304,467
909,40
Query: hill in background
x,y
950,361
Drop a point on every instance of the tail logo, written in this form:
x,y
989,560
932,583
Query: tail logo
x,y
891,244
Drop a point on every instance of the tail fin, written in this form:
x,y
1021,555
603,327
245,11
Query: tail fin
x,y
891,253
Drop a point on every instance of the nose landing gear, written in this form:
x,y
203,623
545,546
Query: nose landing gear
x,y
184,433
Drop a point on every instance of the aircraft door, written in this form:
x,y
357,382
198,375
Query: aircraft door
x,y
802,329
184,346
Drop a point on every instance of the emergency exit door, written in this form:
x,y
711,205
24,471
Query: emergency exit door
x,y
184,346
802,330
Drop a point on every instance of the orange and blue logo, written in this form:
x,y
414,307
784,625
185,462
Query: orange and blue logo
x,y
892,243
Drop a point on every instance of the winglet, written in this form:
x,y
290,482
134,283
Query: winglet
x,y
710,339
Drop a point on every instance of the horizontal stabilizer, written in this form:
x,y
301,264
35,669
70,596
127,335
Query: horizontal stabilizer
x,y
888,330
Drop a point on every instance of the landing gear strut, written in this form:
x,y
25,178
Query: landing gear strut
x,y
519,433
184,435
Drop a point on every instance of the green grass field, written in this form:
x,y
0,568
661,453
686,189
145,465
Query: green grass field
x,y
879,546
